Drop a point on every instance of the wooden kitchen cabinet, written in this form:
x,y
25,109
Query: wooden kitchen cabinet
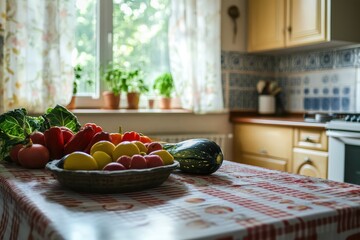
x,y
310,163
310,153
264,161
306,22
263,146
311,138
296,149
266,24
279,24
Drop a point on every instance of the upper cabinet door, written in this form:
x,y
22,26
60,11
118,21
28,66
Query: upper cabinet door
x,y
306,22
266,24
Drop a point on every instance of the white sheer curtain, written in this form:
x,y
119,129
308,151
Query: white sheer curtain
x,y
36,42
195,53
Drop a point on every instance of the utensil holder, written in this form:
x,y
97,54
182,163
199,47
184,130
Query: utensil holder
x,y
266,104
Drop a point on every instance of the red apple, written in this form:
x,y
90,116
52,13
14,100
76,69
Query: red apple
x,y
138,162
153,146
114,166
124,160
153,161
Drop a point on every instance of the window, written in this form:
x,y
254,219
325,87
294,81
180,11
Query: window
x,y
132,33
85,50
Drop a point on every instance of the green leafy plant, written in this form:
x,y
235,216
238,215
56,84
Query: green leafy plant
x,y
164,85
78,74
134,82
16,125
123,80
115,78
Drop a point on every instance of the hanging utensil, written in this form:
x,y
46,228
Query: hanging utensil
x,y
234,14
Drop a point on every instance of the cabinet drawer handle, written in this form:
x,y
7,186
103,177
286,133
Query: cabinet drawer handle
x,y
308,139
307,160
289,29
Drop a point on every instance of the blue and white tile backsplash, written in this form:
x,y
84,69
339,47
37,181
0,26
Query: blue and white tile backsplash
x,y
322,81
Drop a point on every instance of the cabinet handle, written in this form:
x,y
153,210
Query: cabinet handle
x,y
289,29
308,139
307,160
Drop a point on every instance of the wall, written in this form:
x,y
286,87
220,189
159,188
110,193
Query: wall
x,y
228,42
319,81
312,81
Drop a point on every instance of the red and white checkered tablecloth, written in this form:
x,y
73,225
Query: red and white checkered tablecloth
x,y
236,202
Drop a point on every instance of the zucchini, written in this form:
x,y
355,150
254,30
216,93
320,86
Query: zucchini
x,y
198,155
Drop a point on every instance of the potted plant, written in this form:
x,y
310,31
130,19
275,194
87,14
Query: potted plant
x,y
78,71
164,86
114,78
134,86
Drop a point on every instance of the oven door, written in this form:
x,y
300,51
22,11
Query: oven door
x,y
344,156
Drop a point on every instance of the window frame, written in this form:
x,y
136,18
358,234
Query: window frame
x,y
104,54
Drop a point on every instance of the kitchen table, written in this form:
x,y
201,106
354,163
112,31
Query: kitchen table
x,y
236,202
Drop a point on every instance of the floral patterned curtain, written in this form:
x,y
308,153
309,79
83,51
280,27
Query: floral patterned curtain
x,y
36,42
195,53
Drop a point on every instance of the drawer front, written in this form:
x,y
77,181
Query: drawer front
x,y
310,163
311,138
269,163
263,140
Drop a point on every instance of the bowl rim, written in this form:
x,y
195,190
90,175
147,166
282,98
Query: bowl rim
x,y
52,166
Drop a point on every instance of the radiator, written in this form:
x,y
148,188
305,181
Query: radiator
x,y
221,139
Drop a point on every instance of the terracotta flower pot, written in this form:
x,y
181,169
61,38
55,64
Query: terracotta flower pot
x,y
72,104
133,100
111,101
151,103
165,103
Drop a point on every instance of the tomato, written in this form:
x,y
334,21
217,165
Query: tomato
x,y
130,136
37,137
145,139
115,138
14,152
33,156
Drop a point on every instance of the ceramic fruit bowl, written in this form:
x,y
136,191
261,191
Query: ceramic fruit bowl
x,y
98,181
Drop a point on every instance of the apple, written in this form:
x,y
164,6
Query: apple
x,y
124,160
114,166
153,161
138,162
154,146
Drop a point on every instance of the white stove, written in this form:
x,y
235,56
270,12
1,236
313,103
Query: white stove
x,y
344,148
341,125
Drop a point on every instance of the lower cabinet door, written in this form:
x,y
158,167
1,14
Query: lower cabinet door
x,y
310,163
263,161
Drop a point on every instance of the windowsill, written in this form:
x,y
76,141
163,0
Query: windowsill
x,y
95,111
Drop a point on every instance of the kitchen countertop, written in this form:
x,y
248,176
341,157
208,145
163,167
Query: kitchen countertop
x,y
237,202
296,120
